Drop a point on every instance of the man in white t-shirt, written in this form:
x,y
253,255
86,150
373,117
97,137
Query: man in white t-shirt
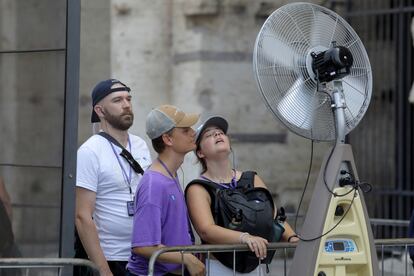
x,y
106,182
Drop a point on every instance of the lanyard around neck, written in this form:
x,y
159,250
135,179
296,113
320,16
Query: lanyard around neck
x,y
233,182
127,177
179,189
166,168
170,173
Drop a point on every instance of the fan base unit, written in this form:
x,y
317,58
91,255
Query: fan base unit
x,y
348,247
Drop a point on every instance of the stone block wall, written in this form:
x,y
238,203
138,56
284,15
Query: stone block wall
x,y
198,55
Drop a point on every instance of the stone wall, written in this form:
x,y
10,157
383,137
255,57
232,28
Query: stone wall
x,y
32,73
197,54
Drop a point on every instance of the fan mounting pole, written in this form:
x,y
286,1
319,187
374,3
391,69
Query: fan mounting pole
x,y
338,106
337,220
314,75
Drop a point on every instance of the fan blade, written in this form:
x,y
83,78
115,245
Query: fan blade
x,y
296,106
322,29
356,96
283,66
277,52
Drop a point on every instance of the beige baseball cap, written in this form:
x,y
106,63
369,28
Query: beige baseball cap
x,y
166,117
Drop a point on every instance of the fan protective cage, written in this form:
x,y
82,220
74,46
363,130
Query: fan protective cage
x,y
282,66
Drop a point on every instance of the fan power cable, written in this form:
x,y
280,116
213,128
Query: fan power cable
x,y
333,227
356,185
301,200
348,179
305,186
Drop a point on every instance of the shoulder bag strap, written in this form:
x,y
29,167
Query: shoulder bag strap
x,y
124,153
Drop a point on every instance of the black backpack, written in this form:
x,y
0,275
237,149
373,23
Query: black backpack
x,y
245,209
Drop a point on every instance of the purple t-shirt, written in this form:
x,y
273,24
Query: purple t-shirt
x,y
161,217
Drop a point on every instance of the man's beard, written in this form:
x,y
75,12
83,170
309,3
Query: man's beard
x,y
120,122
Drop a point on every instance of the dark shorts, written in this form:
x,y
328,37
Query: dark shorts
x,y
118,268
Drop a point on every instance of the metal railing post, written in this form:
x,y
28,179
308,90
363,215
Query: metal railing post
x,y
57,263
379,243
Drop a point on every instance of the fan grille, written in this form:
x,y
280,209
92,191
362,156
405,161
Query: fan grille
x,y
282,67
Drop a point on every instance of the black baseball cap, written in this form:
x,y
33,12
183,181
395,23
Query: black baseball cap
x,y
103,89
217,121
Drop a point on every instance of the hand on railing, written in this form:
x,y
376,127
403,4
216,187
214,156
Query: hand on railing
x,y
258,245
194,266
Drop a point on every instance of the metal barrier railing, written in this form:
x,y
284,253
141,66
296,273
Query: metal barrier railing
x,y
58,263
397,254
381,245
389,228
208,248
397,250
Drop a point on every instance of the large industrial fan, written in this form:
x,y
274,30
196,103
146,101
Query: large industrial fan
x,y
315,77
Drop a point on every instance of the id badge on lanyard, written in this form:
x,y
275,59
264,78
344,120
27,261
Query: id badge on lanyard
x,y
130,208
128,180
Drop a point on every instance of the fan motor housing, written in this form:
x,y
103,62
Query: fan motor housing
x,y
297,54
332,64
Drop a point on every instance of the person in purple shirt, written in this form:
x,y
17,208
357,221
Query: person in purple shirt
x,y
161,216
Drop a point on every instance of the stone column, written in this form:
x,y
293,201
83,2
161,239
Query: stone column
x,y
140,53
95,58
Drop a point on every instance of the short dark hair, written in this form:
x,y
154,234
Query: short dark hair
x,y
158,143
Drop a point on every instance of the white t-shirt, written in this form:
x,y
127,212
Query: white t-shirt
x,y
99,170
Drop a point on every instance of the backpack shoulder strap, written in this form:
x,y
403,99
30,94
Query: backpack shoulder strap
x,y
110,139
208,185
246,180
212,189
124,153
